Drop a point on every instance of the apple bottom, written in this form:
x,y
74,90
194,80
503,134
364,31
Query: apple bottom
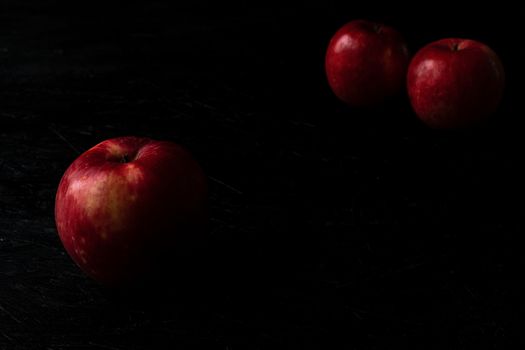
x,y
136,255
147,247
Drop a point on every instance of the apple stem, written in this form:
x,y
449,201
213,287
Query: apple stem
x,y
455,47
124,158
378,28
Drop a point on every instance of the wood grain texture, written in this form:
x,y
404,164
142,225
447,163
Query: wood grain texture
x,y
329,224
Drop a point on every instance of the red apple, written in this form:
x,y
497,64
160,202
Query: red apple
x,y
366,62
455,83
127,204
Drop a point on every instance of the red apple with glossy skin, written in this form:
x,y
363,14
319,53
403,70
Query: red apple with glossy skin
x,y
366,62
126,204
454,83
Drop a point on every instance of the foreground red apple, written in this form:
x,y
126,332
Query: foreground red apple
x,y
455,83
366,62
126,204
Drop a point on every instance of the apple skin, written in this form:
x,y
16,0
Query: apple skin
x,y
127,205
366,62
455,83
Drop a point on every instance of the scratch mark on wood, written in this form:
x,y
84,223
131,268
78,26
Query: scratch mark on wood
x,y
10,315
231,188
60,136
11,340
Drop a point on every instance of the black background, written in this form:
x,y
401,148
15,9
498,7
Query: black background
x,y
328,224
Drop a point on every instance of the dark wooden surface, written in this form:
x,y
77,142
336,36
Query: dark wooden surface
x,y
329,224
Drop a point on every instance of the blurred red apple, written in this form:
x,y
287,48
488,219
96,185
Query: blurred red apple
x,y
455,83
366,62
128,203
